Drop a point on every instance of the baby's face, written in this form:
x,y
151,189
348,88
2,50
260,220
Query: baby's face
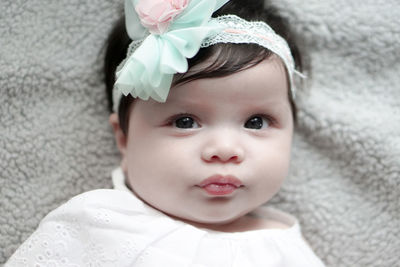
x,y
216,150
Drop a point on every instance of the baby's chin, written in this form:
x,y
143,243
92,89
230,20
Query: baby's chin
x,y
218,218
217,222
237,224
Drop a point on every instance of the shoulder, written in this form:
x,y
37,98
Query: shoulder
x,y
89,205
265,223
271,218
103,194
89,229
107,197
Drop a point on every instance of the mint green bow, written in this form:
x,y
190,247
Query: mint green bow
x,y
148,72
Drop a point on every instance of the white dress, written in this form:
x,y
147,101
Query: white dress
x,y
114,228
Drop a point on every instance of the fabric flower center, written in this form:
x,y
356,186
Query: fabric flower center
x,y
157,15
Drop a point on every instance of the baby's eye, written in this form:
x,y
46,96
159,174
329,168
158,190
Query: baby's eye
x,y
185,122
257,122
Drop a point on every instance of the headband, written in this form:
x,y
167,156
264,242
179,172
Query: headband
x,y
168,32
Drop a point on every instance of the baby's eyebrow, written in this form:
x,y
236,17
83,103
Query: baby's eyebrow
x,y
188,103
278,106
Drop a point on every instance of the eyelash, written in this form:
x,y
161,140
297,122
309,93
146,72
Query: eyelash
x,y
173,119
170,122
270,120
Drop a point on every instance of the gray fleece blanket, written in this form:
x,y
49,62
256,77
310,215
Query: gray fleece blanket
x,y
344,186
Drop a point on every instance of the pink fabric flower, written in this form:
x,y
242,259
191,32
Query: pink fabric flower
x,y
156,15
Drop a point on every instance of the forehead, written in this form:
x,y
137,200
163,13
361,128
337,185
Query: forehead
x,y
265,83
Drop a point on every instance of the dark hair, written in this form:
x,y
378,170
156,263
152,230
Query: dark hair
x,y
231,57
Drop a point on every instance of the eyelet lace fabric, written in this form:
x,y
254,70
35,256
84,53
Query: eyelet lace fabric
x,y
114,228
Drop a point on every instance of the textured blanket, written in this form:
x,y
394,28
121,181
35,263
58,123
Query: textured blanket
x,y
55,141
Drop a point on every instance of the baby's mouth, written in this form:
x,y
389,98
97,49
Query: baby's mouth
x,y
220,185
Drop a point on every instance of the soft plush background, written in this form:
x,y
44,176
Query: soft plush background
x,y
55,141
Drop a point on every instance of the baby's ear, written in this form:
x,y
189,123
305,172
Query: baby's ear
x,y
120,137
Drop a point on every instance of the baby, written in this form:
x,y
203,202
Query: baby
x,y
203,114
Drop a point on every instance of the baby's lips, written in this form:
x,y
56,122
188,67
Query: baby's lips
x,y
219,179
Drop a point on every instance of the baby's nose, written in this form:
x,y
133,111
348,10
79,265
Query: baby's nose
x,y
223,151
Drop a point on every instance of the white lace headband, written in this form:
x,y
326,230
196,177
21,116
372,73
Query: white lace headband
x,y
170,31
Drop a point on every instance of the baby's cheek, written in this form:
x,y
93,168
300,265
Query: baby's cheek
x,y
273,168
151,161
